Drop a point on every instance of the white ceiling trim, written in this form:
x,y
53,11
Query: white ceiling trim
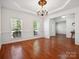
x,y
22,9
29,11
60,7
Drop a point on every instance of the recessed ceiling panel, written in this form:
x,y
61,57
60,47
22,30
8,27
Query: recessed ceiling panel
x,y
32,5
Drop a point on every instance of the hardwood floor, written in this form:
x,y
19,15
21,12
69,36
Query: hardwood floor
x,y
54,48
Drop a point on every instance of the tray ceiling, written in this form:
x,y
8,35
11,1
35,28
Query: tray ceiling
x,y
32,6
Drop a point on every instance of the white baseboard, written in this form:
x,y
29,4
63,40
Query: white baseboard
x,y
0,46
13,41
76,43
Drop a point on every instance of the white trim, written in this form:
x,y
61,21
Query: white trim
x,y
76,43
29,11
22,9
18,40
0,46
60,7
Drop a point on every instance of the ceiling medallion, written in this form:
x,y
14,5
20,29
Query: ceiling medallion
x,y
42,11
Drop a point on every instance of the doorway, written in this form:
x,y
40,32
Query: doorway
x,y
58,26
63,26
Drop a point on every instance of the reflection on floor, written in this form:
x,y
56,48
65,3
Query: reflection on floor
x,y
54,48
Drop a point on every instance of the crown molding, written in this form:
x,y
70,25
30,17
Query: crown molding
x,y
33,12
22,9
63,6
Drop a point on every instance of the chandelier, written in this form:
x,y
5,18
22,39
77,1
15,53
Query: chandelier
x,y
42,12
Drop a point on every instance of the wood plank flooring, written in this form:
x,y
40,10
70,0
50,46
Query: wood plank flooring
x,y
54,48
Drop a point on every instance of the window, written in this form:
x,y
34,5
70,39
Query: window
x,y
16,27
36,27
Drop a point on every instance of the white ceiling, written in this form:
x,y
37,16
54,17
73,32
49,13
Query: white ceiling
x,y
32,6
